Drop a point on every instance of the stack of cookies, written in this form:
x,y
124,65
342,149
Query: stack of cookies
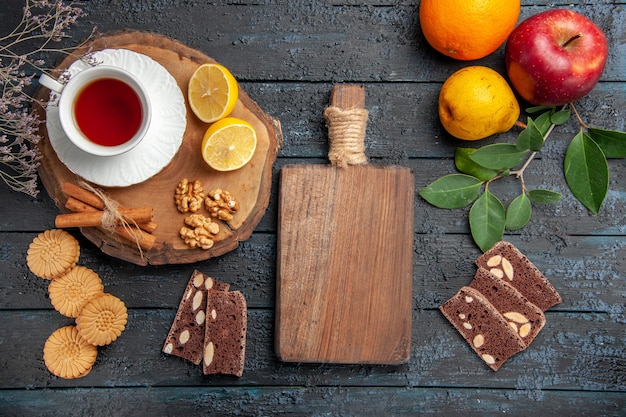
x,y
501,311
210,327
75,292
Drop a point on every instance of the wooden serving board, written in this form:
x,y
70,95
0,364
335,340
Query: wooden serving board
x,y
344,274
250,184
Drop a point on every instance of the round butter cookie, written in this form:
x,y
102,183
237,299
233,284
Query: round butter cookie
x,y
67,355
70,292
102,319
53,253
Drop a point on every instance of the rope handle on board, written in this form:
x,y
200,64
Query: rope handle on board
x,y
347,123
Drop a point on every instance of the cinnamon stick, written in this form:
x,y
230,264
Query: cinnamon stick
x,y
143,236
79,206
87,197
79,193
87,219
88,211
145,240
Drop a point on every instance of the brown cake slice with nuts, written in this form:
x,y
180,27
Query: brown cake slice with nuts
x,y
482,326
225,337
525,318
507,263
186,336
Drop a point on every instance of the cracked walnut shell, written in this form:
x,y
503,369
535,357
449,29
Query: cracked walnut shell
x,y
200,231
221,204
189,195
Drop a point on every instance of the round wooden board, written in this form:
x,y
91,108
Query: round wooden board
x,y
250,184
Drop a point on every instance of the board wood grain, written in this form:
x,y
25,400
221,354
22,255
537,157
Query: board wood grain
x,y
344,274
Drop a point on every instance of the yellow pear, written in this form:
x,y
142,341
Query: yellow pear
x,y
476,102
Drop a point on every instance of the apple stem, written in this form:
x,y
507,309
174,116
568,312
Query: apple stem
x,y
572,39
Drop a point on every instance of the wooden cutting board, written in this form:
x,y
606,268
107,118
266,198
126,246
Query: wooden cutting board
x,y
344,261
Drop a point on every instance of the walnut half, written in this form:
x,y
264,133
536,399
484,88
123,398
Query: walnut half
x,y
221,204
189,195
200,231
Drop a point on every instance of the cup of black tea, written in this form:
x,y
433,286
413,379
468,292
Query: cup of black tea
x,y
104,110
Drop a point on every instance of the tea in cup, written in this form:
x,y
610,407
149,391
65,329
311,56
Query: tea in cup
x,y
103,110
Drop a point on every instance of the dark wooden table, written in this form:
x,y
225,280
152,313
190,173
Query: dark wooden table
x,y
287,56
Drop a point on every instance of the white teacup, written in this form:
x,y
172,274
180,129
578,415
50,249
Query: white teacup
x,y
103,110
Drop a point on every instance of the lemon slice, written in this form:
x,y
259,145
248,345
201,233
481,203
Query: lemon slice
x,y
229,144
212,92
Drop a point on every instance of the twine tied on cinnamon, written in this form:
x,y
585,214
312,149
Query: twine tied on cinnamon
x,y
346,134
112,218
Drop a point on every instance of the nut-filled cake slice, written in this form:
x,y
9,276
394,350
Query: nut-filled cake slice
x,y
225,337
186,336
525,318
507,263
482,326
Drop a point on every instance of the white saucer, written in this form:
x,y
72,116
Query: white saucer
x,y
164,137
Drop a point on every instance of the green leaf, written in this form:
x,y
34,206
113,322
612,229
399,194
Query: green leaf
x,y
467,166
530,138
452,191
542,196
586,172
498,156
539,109
518,213
612,142
487,220
543,123
560,117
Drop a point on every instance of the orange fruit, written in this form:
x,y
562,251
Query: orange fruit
x,y
229,144
212,92
468,29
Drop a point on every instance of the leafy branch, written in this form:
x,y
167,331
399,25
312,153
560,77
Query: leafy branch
x,y
585,168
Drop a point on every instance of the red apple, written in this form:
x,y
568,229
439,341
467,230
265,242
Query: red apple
x,y
555,57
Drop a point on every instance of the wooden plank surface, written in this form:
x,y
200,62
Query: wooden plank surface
x,y
574,351
287,56
296,400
